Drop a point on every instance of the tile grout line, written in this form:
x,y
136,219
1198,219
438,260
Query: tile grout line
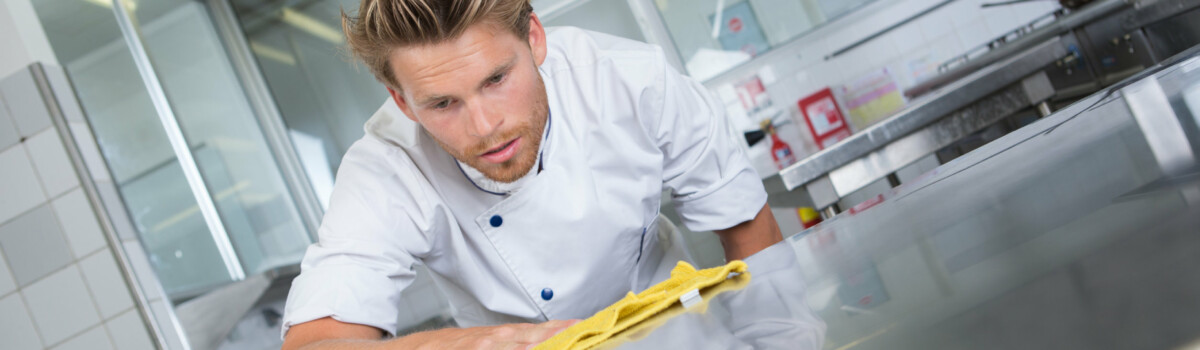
x,y
10,147
33,165
91,294
77,335
99,315
48,274
62,230
11,274
32,320
48,201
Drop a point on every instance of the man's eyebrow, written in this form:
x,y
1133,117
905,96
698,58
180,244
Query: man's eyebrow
x,y
498,70
431,99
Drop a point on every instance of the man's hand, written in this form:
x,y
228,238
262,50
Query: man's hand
x,y
749,237
327,333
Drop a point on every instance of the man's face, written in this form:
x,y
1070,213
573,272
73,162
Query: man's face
x,y
479,95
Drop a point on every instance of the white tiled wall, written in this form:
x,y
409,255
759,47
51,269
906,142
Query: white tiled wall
x,y
60,284
801,68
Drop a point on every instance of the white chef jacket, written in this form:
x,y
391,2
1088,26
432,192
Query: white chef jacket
x,y
623,126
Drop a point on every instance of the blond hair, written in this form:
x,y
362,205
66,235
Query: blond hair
x,y
385,25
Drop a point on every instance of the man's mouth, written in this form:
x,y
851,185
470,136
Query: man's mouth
x,y
502,153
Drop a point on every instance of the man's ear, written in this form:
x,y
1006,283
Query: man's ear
x,y
537,39
404,107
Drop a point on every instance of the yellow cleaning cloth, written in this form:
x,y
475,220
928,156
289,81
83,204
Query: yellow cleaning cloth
x,y
634,308
648,326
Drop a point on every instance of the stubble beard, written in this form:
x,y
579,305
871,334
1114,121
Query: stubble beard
x,y
521,163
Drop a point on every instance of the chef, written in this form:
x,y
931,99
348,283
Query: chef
x,y
524,167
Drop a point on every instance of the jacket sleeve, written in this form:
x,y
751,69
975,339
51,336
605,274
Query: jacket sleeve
x,y
369,240
712,182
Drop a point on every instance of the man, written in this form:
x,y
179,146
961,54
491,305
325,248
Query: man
x,y
524,168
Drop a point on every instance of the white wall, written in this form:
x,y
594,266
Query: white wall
x,y
60,284
801,69
21,37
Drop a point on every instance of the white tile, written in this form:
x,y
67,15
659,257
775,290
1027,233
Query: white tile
x,y
961,11
128,332
34,245
7,284
8,130
936,24
945,48
90,151
974,33
60,305
16,329
51,161
107,284
1000,20
25,103
93,339
79,223
906,37
19,184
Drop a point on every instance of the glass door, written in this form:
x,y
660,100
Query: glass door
x,y
206,193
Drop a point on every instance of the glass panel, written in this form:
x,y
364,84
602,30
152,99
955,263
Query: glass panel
x,y
88,43
241,173
745,29
227,143
323,98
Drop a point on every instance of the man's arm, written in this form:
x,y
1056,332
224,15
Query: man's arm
x,y
749,237
330,334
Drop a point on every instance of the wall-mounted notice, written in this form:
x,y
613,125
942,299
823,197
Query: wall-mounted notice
x,y
824,118
740,30
872,97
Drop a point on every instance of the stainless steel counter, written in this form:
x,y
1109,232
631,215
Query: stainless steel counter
x,y
1080,231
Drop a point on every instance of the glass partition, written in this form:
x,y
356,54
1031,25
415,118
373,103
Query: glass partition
x,y
322,95
244,182
713,36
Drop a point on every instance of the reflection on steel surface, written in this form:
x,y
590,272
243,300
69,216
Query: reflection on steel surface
x,y
1158,121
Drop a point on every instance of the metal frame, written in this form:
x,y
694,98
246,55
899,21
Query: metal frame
x,y
268,115
179,144
99,209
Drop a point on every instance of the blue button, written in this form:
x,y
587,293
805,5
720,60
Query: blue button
x,y
547,294
496,221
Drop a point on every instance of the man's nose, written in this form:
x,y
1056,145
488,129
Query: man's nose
x,y
483,122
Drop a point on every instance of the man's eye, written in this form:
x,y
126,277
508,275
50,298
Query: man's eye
x,y
496,79
441,105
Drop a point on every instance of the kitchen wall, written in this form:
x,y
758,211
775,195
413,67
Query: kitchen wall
x,y
61,286
910,54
